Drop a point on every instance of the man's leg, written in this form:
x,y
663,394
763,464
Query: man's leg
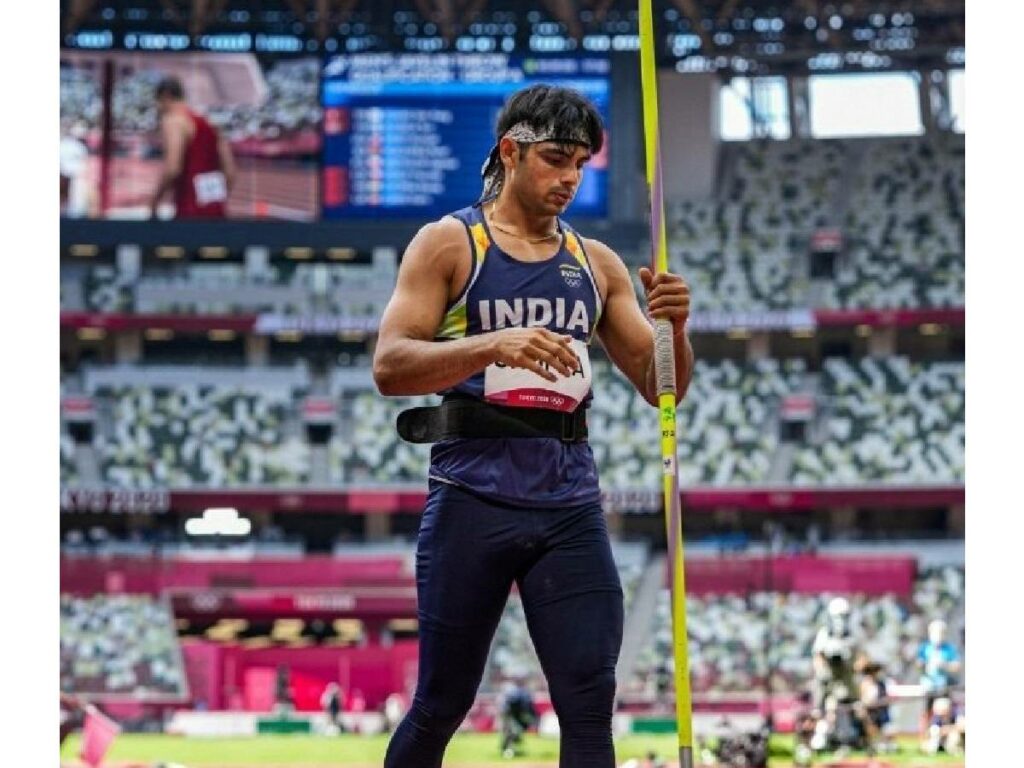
x,y
573,603
466,558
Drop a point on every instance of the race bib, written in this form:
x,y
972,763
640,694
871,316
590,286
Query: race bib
x,y
211,187
522,388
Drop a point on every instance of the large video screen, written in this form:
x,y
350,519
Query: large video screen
x,y
267,108
405,135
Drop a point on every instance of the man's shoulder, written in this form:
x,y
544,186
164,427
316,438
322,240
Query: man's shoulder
x,y
440,242
442,232
597,249
177,123
609,268
178,117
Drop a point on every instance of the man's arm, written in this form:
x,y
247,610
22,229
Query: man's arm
x,y
227,162
820,663
408,361
174,136
860,661
628,336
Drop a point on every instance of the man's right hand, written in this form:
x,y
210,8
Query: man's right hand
x,y
536,349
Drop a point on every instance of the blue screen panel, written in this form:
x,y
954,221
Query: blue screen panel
x,y
405,134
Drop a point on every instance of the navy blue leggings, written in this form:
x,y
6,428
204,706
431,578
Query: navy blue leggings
x,y
470,551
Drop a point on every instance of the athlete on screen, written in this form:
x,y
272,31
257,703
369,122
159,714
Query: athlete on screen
x,y
198,164
495,307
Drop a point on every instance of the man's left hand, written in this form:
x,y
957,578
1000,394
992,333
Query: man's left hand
x,y
668,297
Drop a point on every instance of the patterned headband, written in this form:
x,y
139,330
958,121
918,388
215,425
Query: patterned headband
x,y
493,172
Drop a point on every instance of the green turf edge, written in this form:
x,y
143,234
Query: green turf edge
x,y
465,750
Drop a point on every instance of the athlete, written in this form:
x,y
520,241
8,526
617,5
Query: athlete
x,y
198,163
495,307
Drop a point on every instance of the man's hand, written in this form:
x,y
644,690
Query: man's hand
x,y
536,349
668,297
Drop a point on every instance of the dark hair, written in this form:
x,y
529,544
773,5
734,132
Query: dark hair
x,y
170,86
544,105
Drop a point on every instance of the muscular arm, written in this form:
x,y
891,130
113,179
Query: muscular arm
x,y
408,361
628,336
174,136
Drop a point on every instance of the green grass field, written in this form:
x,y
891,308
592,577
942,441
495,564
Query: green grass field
x,y
465,750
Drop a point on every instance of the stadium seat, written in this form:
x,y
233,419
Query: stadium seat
x,y
879,420
119,644
905,226
888,420
200,435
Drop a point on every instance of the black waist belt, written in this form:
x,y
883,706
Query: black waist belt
x,y
461,416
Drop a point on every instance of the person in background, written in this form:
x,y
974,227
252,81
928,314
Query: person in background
x,y
77,199
874,699
945,729
836,655
356,701
804,729
198,164
813,538
663,671
283,703
939,663
72,714
330,702
517,715
938,660
394,710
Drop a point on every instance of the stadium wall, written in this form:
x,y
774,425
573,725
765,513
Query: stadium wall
x,y
268,585
234,677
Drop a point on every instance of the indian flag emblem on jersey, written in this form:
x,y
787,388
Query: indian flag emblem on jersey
x,y
480,241
572,274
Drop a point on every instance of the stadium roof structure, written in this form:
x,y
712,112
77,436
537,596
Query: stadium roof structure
x,y
737,36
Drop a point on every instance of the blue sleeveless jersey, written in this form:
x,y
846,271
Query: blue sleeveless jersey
x,y
559,294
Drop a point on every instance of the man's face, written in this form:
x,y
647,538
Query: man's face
x,y
840,624
163,105
548,175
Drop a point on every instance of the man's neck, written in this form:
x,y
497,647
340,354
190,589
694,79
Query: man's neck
x,y
508,212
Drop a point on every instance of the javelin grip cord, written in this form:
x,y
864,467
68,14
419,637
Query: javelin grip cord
x,y
664,358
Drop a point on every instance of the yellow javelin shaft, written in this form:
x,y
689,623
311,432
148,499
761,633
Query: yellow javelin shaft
x,y
665,371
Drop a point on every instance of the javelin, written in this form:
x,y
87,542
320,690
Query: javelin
x,y
664,361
